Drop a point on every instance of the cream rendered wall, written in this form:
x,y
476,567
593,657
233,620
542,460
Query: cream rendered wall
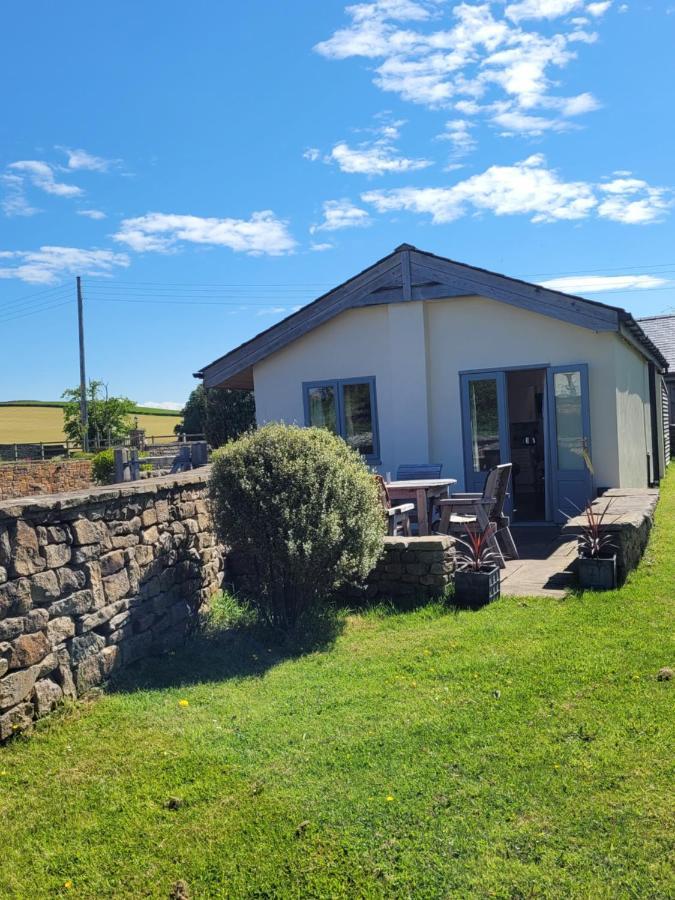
x,y
416,350
375,341
476,333
633,414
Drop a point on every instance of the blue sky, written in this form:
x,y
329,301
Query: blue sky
x,y
206,171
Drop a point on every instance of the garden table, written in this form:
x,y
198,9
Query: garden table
x,y
421,490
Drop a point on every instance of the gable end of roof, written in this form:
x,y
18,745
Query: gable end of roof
x,y
409,274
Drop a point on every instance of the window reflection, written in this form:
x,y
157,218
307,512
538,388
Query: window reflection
x,y
483,403
569,420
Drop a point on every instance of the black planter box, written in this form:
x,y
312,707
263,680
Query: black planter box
x,y
475,589
597,574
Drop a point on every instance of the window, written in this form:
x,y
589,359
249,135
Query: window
x,y
346,407
484,409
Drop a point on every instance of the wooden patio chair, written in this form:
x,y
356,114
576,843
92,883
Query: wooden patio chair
x,y
412,472
483,510
416,471
398,517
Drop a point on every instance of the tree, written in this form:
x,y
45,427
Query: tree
x,y
219,413
194,413
109,417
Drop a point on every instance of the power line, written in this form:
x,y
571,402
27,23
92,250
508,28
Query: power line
x,y
216,284
36,311
645,268
243,302
28,299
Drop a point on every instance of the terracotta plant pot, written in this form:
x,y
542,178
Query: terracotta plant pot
x,y
597,574
475,589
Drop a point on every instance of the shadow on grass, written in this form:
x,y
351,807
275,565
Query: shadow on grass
x,y
219,652
231,644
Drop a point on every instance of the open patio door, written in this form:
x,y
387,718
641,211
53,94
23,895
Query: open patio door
x,y
485,426
569,431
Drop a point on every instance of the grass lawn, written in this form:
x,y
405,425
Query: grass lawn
x,y
525,750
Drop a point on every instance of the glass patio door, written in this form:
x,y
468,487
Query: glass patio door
x,y
485,426
569,428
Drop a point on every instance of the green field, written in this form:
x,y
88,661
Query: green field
x,y
32,421
521,751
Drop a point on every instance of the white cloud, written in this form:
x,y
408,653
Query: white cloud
x,y
527,188
312,154
485,54
633,201
515,122
80,159
271,311
576,106
41,175
339,214
595,284
49,263
92,213
541,9
376,156
458,132
263,233
14,202
373,160
584,37
598,9
320,247
162,404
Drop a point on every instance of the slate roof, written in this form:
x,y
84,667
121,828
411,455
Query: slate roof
x,y
411,274
661,331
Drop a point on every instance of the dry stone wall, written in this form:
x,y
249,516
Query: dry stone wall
x,y
419,566
93,580
408,567
628,522
29,478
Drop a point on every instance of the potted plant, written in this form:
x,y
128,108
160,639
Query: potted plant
x,y
477,577
597,561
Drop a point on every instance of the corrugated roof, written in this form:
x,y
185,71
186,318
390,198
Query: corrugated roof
x,y
661,331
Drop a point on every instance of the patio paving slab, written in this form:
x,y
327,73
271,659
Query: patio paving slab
x,y
546,564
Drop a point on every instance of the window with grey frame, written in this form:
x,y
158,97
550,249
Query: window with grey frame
x,y
347,407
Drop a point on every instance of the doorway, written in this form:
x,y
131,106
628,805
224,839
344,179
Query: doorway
x,y
539,419
525,395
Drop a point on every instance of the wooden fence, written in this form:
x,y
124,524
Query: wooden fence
x,y
45,450
171,459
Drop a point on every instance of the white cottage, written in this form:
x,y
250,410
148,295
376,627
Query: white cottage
x,y
421,359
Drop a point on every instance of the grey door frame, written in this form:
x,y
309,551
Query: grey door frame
x,y
499,372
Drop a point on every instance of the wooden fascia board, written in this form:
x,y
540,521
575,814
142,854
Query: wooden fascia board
x,y
641,348
345,297
464,281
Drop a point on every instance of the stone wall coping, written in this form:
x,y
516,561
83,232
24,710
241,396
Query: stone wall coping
x,y
11,510
15,463
432,542
629,507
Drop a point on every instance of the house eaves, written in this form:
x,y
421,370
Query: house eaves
x,y
409,274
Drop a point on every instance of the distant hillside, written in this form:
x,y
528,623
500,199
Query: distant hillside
x,y
32,421
138,410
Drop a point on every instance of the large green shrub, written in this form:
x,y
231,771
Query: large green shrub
x,y
302,512
103,467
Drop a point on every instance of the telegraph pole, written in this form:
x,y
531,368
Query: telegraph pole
x,y
84,416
